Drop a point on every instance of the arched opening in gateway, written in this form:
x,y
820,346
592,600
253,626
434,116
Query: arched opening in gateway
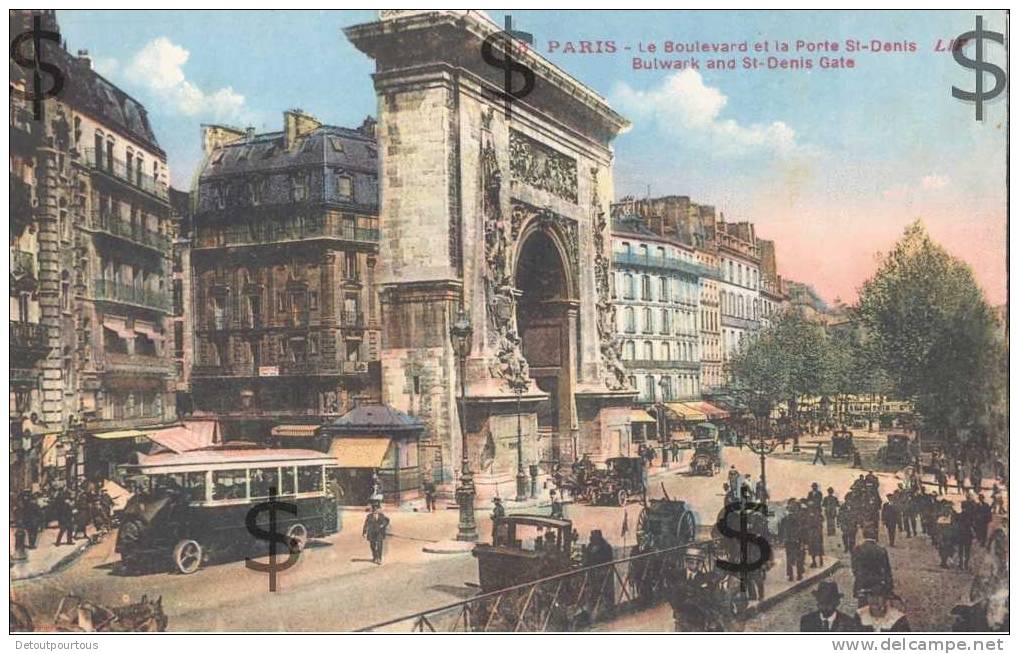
x,y
543,310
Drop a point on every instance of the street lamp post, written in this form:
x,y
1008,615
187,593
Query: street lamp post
x,y
762,445
467,529
518,388
663,384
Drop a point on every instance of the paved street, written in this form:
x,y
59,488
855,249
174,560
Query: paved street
x,y
336,587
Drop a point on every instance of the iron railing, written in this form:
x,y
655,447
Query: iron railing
x,y
569,601
112,291
276,231
28,336
661,263
116,226
133,175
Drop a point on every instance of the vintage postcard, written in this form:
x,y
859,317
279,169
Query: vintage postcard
x,y
509,320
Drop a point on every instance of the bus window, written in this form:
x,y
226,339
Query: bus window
x,y
229,484
309,479
287,486
264,480
196,486
168,482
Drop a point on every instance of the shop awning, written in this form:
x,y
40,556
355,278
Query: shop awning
x,y
359,452
288,431
639,415
687,413
117,435
179,439
710,410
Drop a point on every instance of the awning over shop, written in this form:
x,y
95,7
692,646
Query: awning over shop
x,y
179,439
359,452
686,413
710,410
117,435
294,430
639,415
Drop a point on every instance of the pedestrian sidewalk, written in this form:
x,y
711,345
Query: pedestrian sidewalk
x,y
47,557
776,588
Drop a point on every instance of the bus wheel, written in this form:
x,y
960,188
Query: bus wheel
x,y
187,556
297,536
621,498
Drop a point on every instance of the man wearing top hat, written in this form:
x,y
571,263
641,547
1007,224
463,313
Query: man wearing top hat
x,y
827,617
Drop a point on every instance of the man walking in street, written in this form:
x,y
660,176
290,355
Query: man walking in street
x,y
818,455
966,526
942,478
557,505
830,504
890,518
790,531
429,489
982,519
65,518
872,571
375,525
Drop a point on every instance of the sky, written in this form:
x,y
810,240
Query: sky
x,y
831,163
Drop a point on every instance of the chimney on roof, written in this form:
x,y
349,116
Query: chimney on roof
x,y
84,58
215,136
368,126
296,124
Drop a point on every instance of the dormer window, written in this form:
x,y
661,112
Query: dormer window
x,y
336,144
345,187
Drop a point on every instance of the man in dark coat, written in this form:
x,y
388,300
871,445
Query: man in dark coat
x,y
814,496
830,505
890,518
64,512
790,531
429,489
818,455
879,614
965,528
848,523
872,571
375,525
827,617
942,478
29,516
976,477
982,519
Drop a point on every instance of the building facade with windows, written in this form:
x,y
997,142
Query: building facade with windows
x,y
739,290
283,267
774,294
93,237
656,289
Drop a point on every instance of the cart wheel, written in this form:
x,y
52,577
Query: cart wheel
x,y
297,536
686,528
187,556
621,498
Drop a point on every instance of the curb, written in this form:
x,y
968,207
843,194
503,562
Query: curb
x,y
63,561
449,547
768,602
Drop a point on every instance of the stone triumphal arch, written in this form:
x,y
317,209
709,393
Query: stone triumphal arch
x,y
505,214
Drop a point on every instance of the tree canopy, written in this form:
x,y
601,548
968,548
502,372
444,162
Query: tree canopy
x,y
933,332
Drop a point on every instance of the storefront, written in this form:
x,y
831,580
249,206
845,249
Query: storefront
x,y
642,426
376,452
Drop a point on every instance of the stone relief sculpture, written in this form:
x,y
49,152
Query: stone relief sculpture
x,y
540,166
500,303
608,343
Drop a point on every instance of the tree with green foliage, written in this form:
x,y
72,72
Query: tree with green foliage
x,y
933,333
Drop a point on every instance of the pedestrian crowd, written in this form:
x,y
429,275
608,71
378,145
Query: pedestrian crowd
x,y
71,510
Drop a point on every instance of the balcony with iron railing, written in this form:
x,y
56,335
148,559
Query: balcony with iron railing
x,y
28,337
112,291
271,232
137,364
655,262
114,225
99,161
